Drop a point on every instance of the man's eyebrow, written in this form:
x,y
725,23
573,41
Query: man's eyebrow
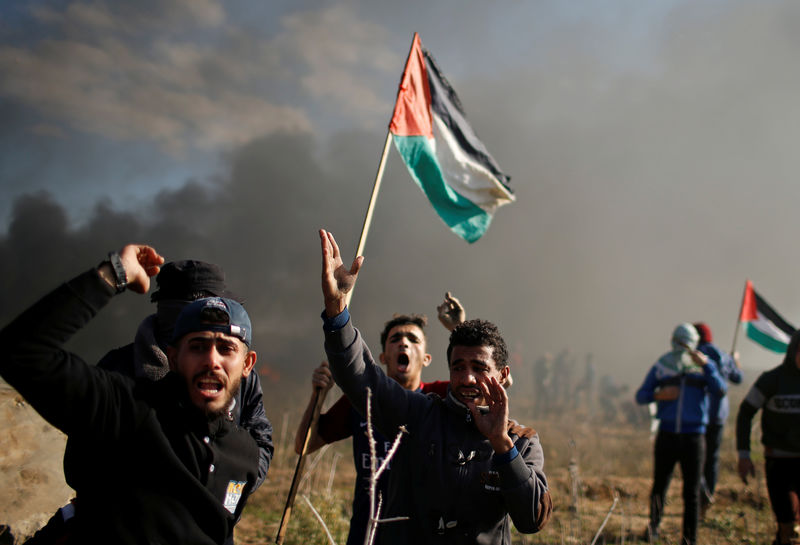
x,y
482,363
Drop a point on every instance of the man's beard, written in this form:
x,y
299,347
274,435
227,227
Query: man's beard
x,y
227,407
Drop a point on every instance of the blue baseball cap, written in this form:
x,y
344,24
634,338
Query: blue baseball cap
x,y
214,314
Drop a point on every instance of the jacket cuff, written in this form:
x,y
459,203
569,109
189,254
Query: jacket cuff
x,y
506,457
92,289
513,472
339,331
330,325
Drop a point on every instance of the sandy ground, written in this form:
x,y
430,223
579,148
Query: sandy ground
x,y
31,474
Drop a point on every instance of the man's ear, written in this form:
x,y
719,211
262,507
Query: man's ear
x,y
426,360
249,362
505,373
172,357
382,358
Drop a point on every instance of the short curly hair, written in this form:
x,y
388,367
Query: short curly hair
x,y
480,333
419,320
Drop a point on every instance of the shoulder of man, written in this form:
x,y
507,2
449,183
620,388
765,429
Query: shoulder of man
x,y
519,430
438,387
119,360
335,424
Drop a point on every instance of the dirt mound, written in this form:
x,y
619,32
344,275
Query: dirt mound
x,y
31,473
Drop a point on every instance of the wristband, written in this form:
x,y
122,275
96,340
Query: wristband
x,y
120,277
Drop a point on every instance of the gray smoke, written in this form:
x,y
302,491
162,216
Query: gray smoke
x,y
649,187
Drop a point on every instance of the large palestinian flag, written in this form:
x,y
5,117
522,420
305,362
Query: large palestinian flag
x,y
444,156
763,324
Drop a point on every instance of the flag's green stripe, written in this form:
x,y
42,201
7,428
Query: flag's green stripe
x,y
464,218
768,342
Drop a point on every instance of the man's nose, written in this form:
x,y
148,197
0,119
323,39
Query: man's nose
x,y
213,359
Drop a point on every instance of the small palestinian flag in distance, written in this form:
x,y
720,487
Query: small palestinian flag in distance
x,y
764,326
463,183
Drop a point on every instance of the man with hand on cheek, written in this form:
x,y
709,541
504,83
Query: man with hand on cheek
x,y
181,468
463,443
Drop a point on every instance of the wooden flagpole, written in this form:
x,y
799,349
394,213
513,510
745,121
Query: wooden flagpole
x,y
319,398
739,320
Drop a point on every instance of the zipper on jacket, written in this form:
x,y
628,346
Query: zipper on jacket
x,y
680,405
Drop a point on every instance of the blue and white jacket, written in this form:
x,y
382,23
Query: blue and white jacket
x,y
689,412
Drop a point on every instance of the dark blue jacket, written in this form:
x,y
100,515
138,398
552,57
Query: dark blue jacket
x,y
718,406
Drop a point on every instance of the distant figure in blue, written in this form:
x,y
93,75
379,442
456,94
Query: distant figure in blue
x,y
718,410
679,383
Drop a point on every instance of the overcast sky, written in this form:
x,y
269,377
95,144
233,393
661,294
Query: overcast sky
x,y
652,149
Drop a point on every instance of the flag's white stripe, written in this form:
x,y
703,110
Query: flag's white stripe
x,y
466,176
766,327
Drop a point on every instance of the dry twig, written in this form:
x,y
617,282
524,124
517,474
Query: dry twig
x,y
319,519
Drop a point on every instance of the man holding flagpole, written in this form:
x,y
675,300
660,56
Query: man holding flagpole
x,y
718,410
465,443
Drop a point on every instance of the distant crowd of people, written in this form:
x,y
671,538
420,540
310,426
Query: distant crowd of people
x,y
168,437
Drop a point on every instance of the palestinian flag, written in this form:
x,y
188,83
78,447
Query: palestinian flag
x,y
764,325
444,156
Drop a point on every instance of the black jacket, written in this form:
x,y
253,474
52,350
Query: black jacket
x,y
161,471
450,482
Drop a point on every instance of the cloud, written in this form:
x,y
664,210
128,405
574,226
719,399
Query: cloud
x,y
182,75
345,57
98,75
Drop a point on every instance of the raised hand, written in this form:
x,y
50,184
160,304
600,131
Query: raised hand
x,y
451,312
140,262
337,281
493,423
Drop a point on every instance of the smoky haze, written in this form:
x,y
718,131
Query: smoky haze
x,y
646,195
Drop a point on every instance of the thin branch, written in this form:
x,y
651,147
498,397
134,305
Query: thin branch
x,y
391,452
313,464
600,530
392,519
336,457
375,473
319,518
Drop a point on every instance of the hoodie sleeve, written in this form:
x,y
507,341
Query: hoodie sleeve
x,y
716,384
647,390
67,392
523,483
755,400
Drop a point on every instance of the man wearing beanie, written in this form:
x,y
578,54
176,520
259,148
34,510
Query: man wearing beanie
x,y
168,463
718,410
179,283
678,382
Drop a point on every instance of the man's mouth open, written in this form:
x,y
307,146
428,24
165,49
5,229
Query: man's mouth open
x,y
402,362
209,387
469,393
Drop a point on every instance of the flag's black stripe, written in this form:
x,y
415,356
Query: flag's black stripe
x,y
773,316
447,106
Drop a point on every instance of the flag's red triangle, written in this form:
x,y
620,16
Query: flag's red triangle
x,y
749,311
412,111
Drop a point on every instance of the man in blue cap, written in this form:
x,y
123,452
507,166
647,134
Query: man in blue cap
x,y
178,284
182,469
